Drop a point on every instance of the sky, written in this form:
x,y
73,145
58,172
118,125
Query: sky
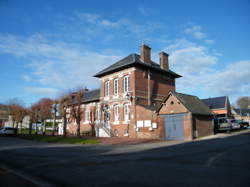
x,y
48,47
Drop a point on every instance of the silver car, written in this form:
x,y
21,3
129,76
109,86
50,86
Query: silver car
x,y
8,131
235,124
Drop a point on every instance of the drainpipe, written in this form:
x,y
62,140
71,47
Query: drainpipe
x,y
149,101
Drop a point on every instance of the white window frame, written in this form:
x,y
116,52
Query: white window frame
x,y
87,115
97,114
116,113
116,87
126,112
126,84
107,87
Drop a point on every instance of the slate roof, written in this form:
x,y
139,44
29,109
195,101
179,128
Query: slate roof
x,y
131,61
90,96
193,103
215,102
242,112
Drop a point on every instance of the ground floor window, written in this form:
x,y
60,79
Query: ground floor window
x,y
116,112
126,112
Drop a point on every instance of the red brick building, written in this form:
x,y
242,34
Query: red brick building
x,y
130,92
185,117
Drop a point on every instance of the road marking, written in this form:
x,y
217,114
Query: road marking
x,y
212,159
35,180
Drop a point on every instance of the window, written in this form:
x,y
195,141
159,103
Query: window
x,y
106,116
116,87
116,113
126,84
107,88
126,112
87,115
97,114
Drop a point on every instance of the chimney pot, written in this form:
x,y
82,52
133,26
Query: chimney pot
x,y
145,53
164,60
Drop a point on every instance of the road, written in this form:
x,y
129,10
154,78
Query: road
x,y
213,162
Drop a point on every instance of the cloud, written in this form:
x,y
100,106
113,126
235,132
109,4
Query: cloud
x,y
196,32
188,57
232,80
57,64
27,78
201,76
96,24
88,17
38,90
209,41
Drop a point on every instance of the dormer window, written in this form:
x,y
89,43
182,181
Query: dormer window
x,y
107,88
126,84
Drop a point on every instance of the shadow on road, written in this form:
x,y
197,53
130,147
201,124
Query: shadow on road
x,y
213,162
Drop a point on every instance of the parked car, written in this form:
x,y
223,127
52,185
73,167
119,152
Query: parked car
x,y
8,131
243,124
235,124
222,124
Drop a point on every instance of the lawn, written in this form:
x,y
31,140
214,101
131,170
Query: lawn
x,y
60,139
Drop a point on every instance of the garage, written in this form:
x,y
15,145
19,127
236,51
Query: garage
x,y
173,125
185,117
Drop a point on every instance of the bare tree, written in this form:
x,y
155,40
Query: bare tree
x,y
64,102
14,105
75,108
55,108
44,111
34,116
243,102
17,111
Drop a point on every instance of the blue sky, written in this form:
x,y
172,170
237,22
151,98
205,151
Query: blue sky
x,y
47,47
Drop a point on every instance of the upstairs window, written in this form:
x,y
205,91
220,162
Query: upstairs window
x,y
107,88
126,84
116,87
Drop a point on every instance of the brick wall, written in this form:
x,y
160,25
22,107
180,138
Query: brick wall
x,y
160,86
204,125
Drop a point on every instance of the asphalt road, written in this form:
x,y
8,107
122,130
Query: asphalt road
x,y
215,162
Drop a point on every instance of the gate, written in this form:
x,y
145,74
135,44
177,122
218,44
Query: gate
x,y
173,124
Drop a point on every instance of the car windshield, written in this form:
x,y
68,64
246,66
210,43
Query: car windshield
x,y
224,120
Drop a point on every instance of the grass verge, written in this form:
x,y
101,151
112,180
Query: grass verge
x,y
60,139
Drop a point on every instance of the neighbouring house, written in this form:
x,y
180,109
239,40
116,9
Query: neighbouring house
x,y
220,106
91,112
23,125
241,113
4,114
131,91
185,117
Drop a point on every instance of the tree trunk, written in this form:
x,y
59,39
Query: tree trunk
x,y
93,130
21,123
78,129
53,126
36,129
44,128
30,127
64,125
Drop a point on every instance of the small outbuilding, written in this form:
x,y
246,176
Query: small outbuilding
x,y
185,117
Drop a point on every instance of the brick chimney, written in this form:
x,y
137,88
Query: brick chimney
x,y
164,60
145,54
